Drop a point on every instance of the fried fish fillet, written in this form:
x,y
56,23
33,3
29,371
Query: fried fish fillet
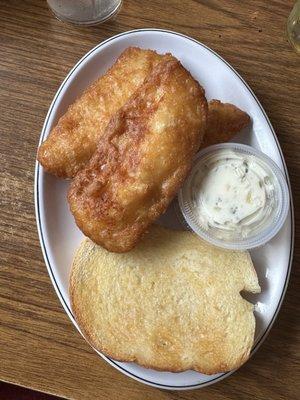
x,y
74,139
142,159
224,121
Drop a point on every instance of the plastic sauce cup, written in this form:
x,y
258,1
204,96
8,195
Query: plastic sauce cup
x,y
257,234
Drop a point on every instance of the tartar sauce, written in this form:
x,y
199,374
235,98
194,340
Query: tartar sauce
x,y
232,192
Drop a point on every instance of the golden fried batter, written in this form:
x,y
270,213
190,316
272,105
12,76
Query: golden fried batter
x,y
224,121
141,160
73,140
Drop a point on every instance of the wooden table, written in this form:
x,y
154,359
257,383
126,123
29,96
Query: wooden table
x,y
39,347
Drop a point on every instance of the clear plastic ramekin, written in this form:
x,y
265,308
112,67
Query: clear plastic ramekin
x,y
235,241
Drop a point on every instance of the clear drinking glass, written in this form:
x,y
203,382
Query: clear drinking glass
x,y
293,27
84,12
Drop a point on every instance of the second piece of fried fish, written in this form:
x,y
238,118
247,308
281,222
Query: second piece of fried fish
x,y
142,159
74,139
224,121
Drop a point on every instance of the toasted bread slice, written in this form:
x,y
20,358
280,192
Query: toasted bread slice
x,y
173,303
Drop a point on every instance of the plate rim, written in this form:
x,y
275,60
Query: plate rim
x,y
41,236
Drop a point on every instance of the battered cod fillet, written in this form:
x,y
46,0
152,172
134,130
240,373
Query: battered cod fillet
x,y
142,159
224,121
73,140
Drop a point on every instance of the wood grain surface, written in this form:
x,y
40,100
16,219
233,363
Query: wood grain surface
x,y
39,347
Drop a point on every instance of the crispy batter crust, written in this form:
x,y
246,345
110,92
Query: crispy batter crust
x,y
74,139
224,121
142,159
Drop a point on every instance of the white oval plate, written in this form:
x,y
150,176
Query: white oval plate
x,y
60,237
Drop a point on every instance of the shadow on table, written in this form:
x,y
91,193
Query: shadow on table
x,y
12,392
